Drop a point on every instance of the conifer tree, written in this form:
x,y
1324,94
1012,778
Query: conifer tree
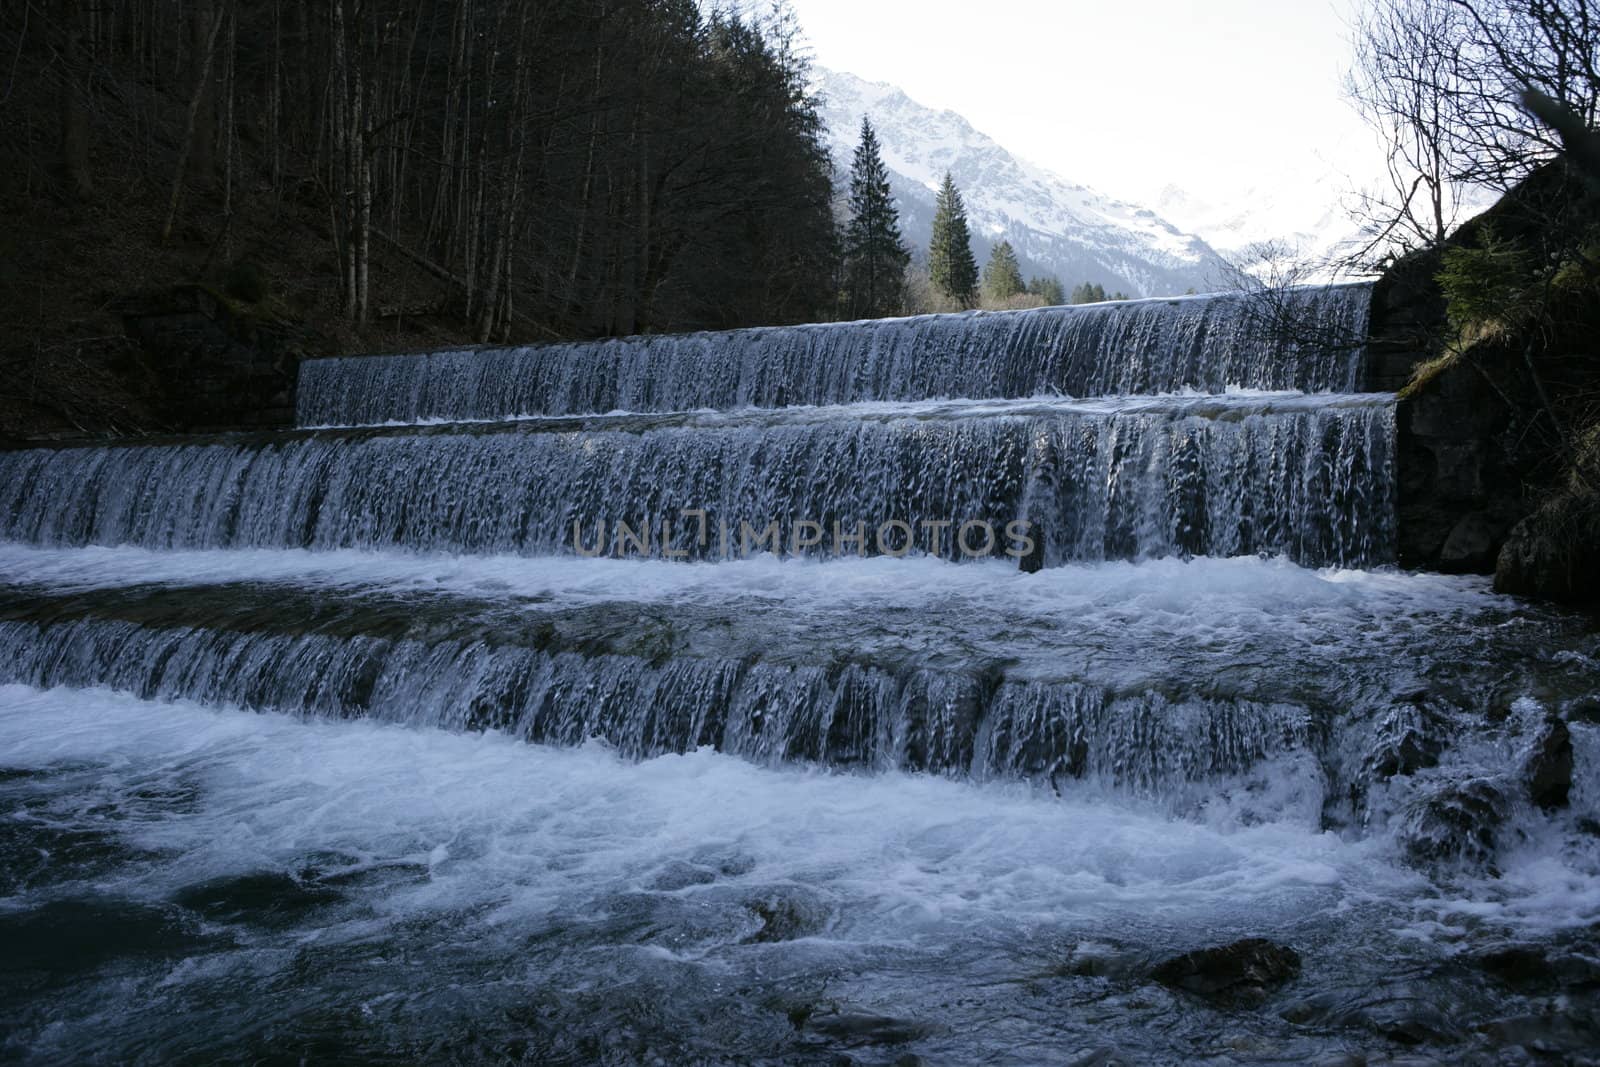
x,y
874,258
1047,287
1002,275
950,263
1088,293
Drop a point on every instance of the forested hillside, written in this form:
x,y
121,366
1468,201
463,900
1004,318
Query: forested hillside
x,y
385,173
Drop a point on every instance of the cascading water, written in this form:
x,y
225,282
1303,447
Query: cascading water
x,y
340,743
1310,482
1305,339
854,715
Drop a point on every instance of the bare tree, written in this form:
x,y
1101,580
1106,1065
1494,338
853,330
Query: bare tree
x,y
1278,280
1444,84
1508,48
74,108
206,54
1405,82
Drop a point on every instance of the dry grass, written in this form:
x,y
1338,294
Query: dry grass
x,y
1424,373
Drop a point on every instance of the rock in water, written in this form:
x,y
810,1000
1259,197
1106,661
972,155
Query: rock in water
x,y
1241,974
861,1028
1406,741
1535,967
1033,562
787,916
1472,545
1456,823
1549,766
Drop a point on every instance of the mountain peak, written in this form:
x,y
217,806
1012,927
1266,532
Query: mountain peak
x,y
1057,226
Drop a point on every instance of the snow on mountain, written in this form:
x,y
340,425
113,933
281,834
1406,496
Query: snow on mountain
x,y
1301,213
1056,226
1303,216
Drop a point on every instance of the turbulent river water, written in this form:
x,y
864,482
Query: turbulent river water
x,y
328,746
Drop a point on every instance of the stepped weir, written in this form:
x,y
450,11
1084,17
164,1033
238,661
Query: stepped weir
x,y
528,657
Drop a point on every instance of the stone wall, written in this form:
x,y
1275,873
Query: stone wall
x,y
1461,468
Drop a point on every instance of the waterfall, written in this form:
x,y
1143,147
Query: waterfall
x,y
851,715
828,441
1216,426
501,662
1220,476
1306,339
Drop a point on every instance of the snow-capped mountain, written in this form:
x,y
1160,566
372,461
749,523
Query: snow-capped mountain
x,y
1304,217
1056,226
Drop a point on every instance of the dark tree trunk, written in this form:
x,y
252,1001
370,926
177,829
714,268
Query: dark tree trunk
x,y
74,105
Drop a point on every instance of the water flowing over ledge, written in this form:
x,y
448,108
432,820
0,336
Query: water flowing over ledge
x,y
1308,339
1163,679
268,749
849,716
1240,625
1310,481
445,881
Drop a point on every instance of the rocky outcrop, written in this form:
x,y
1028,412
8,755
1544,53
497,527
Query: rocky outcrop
x,y
1407,311
1554,553
1477,446
221,364
1543,558
1459,485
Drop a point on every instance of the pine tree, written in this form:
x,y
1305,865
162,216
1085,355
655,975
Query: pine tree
x,y
1088,293
1047,287
874,258
1002,275
950,263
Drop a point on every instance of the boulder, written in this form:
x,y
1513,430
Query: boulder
x,y
1554,554
1472,544
1242,974
1456,823
1406,741
1548,770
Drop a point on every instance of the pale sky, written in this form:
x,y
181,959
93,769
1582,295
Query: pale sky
x,y
1216,96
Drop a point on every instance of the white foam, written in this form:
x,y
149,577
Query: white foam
x,y
1218,591
527,831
